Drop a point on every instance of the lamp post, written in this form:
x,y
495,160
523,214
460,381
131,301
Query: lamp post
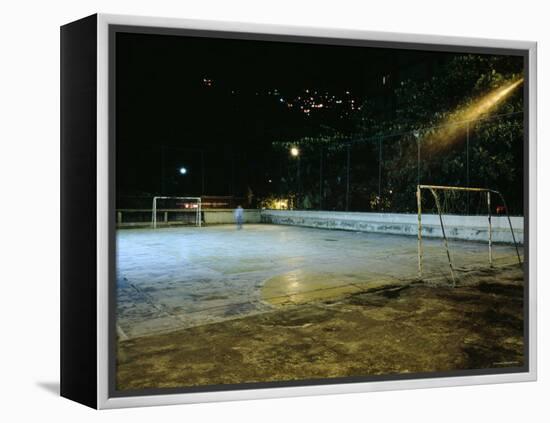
x,y
295,152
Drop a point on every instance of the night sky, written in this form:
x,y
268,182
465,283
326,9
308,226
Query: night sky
x,y
219,104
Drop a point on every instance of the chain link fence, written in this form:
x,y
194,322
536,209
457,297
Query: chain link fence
x,y
380,174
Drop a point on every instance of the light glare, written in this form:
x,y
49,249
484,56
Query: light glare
x,y
454,127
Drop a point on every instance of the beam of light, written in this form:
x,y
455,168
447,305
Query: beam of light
x,y
453,128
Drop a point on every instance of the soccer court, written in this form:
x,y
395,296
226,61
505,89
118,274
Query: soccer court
x,y
178,278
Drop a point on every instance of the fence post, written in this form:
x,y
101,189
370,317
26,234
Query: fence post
x,y
347,179
468,167
379,173
321,180
417,158
420,249
490,229
154,212
202,172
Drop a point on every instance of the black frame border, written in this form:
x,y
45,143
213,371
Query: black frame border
x,y
78,224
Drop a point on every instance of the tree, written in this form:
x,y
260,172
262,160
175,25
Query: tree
x,y
429,113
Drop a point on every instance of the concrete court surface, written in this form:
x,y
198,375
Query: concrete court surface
x,y
178,278
414,328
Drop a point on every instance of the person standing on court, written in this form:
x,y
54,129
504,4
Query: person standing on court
x,y
239,215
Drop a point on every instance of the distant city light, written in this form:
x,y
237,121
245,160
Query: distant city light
x,y
183,171
294,151
309,101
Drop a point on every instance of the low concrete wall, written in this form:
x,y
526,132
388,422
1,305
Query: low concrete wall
x,y
224,216
471,228
134,218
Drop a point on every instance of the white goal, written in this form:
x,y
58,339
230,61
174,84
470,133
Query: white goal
x,y
176,211
461,204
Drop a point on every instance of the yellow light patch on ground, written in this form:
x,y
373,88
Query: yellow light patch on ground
x,y
301,287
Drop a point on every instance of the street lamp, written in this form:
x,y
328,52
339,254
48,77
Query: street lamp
x,y
294,152
183,171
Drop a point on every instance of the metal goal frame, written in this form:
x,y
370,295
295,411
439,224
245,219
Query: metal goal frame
x,y
198,221
433,189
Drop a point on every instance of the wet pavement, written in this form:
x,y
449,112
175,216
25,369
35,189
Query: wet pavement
x,y
178,278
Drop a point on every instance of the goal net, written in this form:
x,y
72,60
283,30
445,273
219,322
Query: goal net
x,y
168,211
458,215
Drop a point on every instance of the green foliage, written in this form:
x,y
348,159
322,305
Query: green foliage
x,y
275,203
426,103
418,108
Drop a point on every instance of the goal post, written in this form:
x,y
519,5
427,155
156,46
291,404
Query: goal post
x,y
485,193
180,206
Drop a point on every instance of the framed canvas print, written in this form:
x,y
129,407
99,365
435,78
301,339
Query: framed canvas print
x,y
253,211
